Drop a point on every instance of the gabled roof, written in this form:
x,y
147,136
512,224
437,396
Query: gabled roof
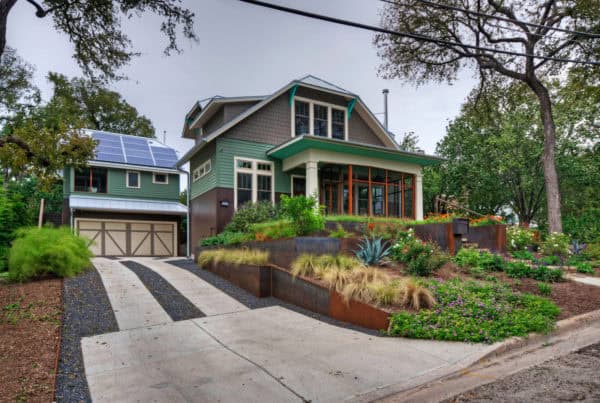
x,y
308,81
125,149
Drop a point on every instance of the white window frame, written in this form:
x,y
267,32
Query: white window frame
x,y
166,182
255,173
311,123
205,167
139,179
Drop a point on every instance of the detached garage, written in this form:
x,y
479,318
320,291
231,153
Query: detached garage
x,y
122,227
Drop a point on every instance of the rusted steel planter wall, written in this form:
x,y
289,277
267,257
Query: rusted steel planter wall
x,y
272,281
492,237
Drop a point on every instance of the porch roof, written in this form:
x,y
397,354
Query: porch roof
x,y
302,143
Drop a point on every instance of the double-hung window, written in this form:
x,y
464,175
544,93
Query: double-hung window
x,y
319,119
253,181
133,179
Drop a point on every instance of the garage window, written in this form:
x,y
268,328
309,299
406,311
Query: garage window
x,y
133,179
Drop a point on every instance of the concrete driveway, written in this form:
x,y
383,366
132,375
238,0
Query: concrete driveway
x,y
235,353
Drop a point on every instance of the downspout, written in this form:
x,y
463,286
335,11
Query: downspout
x,y
187,224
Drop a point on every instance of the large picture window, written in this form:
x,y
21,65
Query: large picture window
x,y
319,119
93,180
253,181
366,191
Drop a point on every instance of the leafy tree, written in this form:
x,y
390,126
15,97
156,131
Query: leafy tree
x,y
17,93
94,28
97,107
409,142
478,36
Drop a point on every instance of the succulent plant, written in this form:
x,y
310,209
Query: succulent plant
x,y
371,251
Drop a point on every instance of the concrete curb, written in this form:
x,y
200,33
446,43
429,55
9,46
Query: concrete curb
x,y
515,343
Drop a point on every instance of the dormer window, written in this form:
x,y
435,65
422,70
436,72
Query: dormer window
x,y
319,119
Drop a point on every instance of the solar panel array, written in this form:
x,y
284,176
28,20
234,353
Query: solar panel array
x,y
133,150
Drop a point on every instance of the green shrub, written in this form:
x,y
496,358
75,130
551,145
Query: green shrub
x,y
467,257
251,213
519,238
304,213
477,272
585,268
40,251
555,244
522,254
491,262
371,251
339,232
591,251
549,260
273,230
13,214
471,311
544,289
543,273
517,270
227,238
584,225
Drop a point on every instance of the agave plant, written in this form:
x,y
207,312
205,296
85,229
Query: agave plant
x,y
371,251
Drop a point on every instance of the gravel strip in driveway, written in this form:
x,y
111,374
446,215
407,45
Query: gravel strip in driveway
x,y
173,302
87,312
254,302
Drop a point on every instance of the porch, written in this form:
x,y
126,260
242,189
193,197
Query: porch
x,y
355,179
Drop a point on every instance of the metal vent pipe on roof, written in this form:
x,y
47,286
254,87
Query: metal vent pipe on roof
x,y
385,107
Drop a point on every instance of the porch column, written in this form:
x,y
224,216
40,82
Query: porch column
x,y
419,196
312,179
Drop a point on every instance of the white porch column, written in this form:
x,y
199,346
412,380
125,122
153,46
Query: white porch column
x,y
312,179
419,196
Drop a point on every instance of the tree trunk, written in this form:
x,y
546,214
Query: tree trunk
x,y
5,6
548,159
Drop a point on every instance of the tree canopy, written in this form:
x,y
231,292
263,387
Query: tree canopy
x,y
101,47
522,40
97,107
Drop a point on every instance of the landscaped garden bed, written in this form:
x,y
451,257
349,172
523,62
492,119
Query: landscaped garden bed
x,y
390,276
30,317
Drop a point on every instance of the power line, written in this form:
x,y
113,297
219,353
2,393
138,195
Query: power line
x,y
500,18
412,35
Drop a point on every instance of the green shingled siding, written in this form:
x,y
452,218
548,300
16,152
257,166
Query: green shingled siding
x,y
117,186
227,149
209,181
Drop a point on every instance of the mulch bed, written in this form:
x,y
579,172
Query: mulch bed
x,y
87,312
30,316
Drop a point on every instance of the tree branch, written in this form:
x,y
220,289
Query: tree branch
x,y
23,146
39,10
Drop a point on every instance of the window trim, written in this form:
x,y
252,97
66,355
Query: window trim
x,y
292,177
255,172
205,164
166,182
311,122
139,179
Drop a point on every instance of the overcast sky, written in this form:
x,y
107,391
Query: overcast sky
x,y
247,50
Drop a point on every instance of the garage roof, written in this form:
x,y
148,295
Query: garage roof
x,y
96,203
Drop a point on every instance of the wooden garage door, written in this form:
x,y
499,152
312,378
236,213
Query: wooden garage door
x,y
129,238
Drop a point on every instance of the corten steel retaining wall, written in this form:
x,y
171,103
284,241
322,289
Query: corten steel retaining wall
x,y
492,237
265,281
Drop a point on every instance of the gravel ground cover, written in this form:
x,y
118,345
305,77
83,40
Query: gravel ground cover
x,y
253,302
29,330
87,312
173,302
573,377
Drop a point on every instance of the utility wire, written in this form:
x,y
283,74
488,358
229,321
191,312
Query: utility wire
x,y
412,35
500,18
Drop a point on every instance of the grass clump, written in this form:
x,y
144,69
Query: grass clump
x,y
339,232
584,268
41,251
233,256
544,289
275,229
473,311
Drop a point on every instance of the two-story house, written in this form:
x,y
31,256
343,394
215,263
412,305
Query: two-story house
x,y
127,199
309,137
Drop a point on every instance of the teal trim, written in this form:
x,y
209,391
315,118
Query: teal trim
x,y
351,107
303,143
293,94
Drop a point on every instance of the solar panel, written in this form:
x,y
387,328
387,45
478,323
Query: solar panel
x,y
119,148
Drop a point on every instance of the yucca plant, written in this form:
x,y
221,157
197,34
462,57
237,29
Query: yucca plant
x,y
371,251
